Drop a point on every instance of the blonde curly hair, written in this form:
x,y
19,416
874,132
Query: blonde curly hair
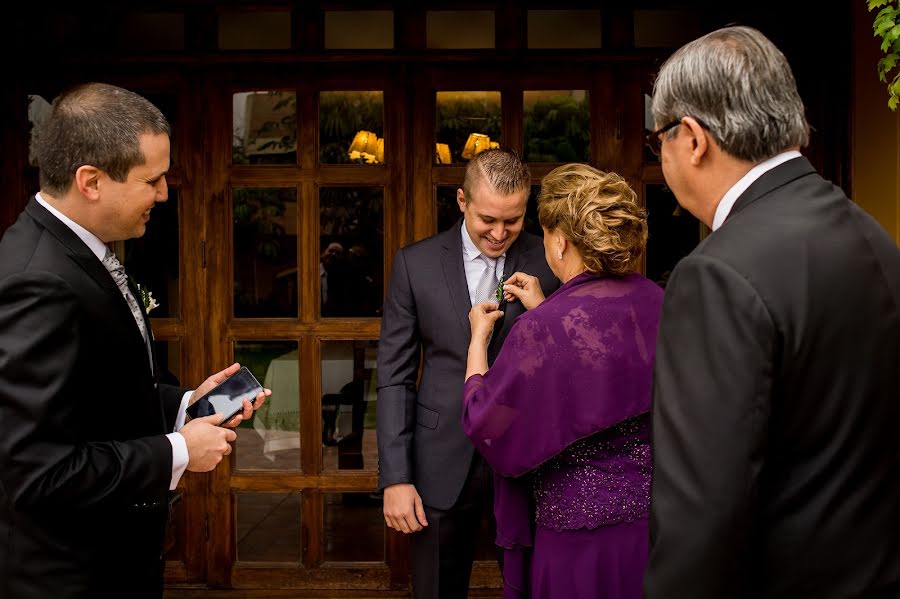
x,y
598,213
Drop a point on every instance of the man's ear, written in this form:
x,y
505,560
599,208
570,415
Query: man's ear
x,y
698,139
87,181
461,199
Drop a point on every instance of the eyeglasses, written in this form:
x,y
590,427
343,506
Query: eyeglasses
x,y
654,139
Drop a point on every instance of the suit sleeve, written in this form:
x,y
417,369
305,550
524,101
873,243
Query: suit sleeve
x,y
712,386
398,366
43,464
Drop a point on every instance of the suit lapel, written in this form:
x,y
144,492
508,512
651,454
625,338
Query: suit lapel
x,y
455,276
82,255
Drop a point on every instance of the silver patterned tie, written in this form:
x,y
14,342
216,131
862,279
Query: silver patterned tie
x,y
487,285
117,271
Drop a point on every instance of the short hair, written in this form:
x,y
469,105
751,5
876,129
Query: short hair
x,y
598,213
501,168
739,85
95,124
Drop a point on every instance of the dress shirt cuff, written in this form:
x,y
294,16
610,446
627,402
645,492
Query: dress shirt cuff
x,y
181,417
179,458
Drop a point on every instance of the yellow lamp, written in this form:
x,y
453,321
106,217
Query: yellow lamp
x,y
477,143
442,154
365,142
495,144
379,151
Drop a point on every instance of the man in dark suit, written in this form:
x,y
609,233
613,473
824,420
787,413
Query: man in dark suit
x,y
776,404
435,485
86,464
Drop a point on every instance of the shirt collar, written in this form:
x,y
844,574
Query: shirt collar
x,y
470,250
728,200
92,241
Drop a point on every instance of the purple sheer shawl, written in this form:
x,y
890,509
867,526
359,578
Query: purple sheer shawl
x,y
578,364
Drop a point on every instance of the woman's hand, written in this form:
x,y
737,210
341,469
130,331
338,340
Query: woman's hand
x,y
525,288
482,318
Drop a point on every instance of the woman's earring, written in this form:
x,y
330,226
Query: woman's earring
x,y
559,254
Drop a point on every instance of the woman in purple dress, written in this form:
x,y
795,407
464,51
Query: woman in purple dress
x,y
563,413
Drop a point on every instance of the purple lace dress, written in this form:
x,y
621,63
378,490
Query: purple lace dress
x,y
563,417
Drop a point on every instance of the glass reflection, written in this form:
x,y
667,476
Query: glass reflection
x,y
351,245
673,233
264,128
354,527
268,527
461,117
265,252
271,439
557,126
351,127
349,439
153,260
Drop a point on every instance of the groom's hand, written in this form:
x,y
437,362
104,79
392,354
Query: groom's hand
x,y
207,443
403,510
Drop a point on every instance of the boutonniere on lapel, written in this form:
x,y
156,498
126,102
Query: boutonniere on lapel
x,y
146,298
498,294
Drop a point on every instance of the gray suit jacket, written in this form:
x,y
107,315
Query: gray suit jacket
x,y
776,470
420,437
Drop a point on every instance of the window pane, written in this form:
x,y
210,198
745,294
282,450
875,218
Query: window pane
x,y
564,28
351,127
38,111
354,527
468,122
351,242
268,527
447,209
146,31
264,128
168,360
557,126
348,405
665,28
459,29
359,29
252,30
265,256
673,232
532,225
271,439
153,262
649,127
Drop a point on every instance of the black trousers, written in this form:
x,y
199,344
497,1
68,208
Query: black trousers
x,y
442,552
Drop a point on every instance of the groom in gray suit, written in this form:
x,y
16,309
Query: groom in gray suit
x,y
435,485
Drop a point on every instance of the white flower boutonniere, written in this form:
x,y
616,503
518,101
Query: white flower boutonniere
x,y
146,298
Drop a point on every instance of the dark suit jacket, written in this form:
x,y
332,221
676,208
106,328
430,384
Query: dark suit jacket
x,y
420,436
85,467
777,403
